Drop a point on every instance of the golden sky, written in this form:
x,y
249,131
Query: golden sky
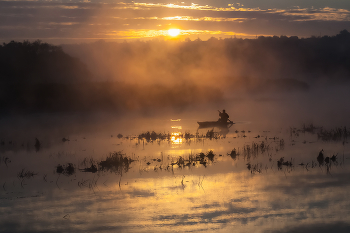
x,y
88,20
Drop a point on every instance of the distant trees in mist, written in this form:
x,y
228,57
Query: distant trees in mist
x,y
37,76
37,62
220,62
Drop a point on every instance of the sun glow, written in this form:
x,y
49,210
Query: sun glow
x,y
174,32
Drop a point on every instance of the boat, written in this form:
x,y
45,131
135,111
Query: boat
x,y
211,124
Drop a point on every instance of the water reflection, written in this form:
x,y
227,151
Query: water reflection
x,y
242,183
176,135
176,138
215,130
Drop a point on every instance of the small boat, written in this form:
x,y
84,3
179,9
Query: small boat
x,y
210,124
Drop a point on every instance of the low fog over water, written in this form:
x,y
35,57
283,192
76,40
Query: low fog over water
x,y
284,80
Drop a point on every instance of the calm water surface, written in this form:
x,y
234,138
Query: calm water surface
x,y
252,180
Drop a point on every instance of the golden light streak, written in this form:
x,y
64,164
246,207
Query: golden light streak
x,y
135,34
193,6
139,34
170,5
213,19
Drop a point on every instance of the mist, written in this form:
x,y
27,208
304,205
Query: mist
x,y
270,80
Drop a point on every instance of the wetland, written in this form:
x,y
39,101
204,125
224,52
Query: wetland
x,y
175,178
103,137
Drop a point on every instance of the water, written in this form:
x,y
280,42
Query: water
x,y
167,185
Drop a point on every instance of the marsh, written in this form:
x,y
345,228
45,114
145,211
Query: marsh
x,y
121,150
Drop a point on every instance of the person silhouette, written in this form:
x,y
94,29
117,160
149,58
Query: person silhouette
x,y
223,116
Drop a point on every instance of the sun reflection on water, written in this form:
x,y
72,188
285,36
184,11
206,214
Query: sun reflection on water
x,y
176,136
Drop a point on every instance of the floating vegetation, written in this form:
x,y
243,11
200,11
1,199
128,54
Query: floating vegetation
x,y
59,169
281,162
153,136
92,169
67,170
193,160
334,158
233,154
25,174
210,155
327,160
65,140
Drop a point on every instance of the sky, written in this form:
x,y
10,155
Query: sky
x,y
74,21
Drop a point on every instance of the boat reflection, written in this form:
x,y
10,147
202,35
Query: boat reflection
x,y
221,131
222,126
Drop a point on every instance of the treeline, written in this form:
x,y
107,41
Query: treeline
x,y
39,77
308,58
37,62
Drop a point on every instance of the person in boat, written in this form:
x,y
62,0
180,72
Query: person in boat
x,y
223,116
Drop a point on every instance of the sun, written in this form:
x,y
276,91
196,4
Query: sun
x,y
174,32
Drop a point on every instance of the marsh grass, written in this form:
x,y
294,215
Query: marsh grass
x,y
87,162
25,174
116,162
194,160
255,149
153,136
210,134
92,169
254,168
336,134
281,162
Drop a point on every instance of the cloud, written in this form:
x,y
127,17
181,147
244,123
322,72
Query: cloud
x,y
90,20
